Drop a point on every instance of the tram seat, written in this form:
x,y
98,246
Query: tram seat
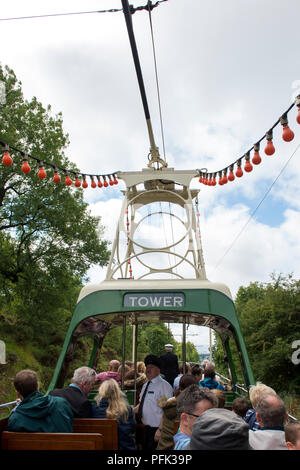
x,y
3,425
107,427
51,441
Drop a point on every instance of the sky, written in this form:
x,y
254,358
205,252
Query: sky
x,y
226,72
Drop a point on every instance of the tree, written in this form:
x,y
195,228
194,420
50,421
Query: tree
x,y
192,354
48,237
269,318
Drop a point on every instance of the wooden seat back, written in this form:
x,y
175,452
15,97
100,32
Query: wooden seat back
x,y
107,427
51,441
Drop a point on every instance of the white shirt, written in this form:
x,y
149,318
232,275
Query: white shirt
x,y
157,389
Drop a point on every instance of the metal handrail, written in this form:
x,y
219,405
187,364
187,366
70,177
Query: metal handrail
x,y
4,405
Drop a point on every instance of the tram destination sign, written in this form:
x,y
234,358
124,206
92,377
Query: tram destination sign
x,y
155,299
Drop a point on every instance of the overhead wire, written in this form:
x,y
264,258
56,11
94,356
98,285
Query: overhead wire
x,y
256,209
157,81
110,10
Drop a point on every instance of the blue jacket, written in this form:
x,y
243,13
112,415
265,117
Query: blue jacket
x,y
41,413
211,384
126,430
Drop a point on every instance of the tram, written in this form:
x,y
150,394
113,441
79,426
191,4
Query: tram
x,y
157,293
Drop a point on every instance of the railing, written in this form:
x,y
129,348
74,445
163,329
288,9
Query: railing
x,y
11,403
241,387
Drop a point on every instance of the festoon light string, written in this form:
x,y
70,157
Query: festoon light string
x,y
227,174
80,179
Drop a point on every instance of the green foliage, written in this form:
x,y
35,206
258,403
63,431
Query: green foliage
x,y
269,318
48,238
192,354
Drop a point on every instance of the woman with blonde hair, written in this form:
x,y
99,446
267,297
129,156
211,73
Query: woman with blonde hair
x,y
112,404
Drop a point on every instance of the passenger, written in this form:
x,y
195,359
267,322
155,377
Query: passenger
x,y
219,429
140,378
148,410
209,378
165,431
119,371
111,403
112,372
240,406
271,415
77,392
197,372
203,365
37,412
221,397
169,364
255,393
191,403
292,435
180,374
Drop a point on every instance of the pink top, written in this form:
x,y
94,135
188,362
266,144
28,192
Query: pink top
x,y
109,375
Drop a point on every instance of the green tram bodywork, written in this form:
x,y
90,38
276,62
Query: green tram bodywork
x,y
185,296
205,304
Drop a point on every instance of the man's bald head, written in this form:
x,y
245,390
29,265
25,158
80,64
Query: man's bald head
x,y
271,411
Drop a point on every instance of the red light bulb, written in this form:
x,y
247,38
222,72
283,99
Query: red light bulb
x,y
115,180
68,181
248,167
214,181
256,158
100,184
77,183
105,182
7,160
239,172
93,184
298,116
42,174
287,134
220,181
270,149
225,179
56,177
231,176
25,166
84,183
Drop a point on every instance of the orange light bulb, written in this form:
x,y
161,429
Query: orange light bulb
x,y
7,160
287,134
270,149
239,172
42,174
248,167
231,176
25,167
56,177
256,158
68,181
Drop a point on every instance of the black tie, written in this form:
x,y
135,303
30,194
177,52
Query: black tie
x,y
140,410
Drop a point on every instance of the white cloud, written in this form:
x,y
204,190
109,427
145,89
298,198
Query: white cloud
x,y
227,70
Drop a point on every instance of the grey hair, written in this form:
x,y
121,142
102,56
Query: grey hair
x,y
83,374
271,410
188,398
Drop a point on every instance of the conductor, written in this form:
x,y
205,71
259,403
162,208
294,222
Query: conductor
x,y
169,364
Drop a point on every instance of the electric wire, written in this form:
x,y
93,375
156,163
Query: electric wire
x,y
110,10
256,209
157,82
